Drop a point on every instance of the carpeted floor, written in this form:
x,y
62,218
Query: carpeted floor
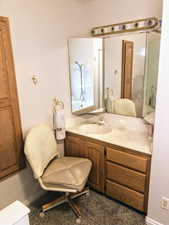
x,y
96,209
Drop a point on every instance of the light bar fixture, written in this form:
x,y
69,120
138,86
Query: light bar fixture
x,y
130,26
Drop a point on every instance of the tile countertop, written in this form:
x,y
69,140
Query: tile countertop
x,y
128,132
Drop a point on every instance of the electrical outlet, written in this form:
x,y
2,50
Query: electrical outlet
x,y
165,203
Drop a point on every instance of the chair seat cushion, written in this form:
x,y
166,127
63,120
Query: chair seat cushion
x,y
68,172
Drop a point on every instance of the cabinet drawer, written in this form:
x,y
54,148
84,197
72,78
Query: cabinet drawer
x,y
126,159
127,177
126,195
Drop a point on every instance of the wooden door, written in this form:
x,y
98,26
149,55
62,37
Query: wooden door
x,y
127,69
11,143
96,155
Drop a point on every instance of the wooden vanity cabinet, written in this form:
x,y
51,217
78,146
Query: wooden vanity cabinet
x,y
74,146
96,154
127,177
79,147
120,173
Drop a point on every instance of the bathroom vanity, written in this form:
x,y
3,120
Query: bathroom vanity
x,y
121,157
116,74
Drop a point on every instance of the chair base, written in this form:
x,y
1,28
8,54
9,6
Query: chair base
x,y
67,197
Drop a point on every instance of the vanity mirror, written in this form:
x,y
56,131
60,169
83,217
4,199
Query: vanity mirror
x,y
130,72
86,74
118,73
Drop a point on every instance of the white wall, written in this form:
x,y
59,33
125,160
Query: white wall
x,y
114,11
40,30
159,185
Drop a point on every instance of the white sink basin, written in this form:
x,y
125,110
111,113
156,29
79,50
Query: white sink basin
x,y
94,128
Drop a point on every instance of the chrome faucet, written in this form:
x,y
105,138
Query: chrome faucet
x,y
100,122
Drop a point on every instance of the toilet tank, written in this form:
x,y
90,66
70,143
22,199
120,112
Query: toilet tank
x,y
15,214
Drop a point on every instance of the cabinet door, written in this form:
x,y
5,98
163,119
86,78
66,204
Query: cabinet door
x,y
96,155
11,145
75,147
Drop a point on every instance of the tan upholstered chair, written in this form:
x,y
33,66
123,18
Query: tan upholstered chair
x,y
124,106
66,174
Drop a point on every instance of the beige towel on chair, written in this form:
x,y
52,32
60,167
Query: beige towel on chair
x,y
124,106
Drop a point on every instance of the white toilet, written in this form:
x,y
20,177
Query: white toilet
x,y
15,214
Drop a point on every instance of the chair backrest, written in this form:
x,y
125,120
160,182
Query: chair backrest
x,y
40,148
124,106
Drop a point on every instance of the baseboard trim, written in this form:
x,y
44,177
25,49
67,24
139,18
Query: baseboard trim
x,y
150,221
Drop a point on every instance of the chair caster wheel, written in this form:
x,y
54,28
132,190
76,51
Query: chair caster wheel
x,y
87,194
78,221
41,214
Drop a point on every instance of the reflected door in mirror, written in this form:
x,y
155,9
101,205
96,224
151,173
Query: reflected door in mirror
x,y
127,69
